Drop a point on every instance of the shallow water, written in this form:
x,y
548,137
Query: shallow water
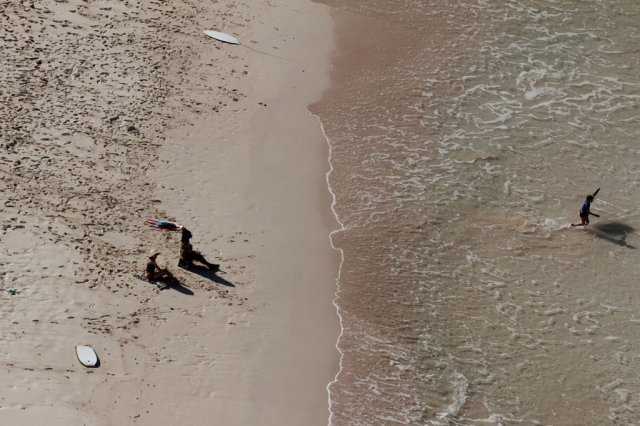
x,y
464,138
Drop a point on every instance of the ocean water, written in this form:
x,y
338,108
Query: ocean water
x,y
464,137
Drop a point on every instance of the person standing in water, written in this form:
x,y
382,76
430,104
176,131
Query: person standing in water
x,y
585,211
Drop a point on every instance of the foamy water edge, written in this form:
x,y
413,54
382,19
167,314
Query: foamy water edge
x,y
337,292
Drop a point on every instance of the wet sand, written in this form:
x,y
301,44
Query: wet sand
x,y
113,113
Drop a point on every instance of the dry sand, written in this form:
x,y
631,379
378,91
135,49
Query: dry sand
x,y
112,112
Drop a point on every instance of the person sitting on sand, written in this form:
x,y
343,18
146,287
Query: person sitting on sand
x,y
153,272
188,255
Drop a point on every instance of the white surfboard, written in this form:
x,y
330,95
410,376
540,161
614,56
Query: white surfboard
x,y
86,355
227,38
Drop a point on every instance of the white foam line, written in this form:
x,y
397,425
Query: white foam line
x,y
335,298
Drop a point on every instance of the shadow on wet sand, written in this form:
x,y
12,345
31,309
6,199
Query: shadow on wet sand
x,y
614,232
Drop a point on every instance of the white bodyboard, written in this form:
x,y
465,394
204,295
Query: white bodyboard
x,y
227,38
86,355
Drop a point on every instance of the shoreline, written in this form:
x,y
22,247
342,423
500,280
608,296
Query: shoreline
x,y
341,251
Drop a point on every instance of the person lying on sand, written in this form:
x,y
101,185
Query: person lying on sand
x,y
153,272
188,255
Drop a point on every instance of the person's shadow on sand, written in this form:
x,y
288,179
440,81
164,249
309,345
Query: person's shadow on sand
x,y
614,232
174,284
209,274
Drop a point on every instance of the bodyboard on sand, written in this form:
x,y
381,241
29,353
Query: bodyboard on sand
x,y
165,225
224,37
86,355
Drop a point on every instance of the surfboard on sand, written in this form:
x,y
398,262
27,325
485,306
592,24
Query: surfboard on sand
x,y
224,37
86,355
165,225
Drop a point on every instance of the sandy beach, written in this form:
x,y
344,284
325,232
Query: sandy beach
x,y
113,113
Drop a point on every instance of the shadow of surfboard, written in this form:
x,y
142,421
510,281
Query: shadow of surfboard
x,y
614,232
